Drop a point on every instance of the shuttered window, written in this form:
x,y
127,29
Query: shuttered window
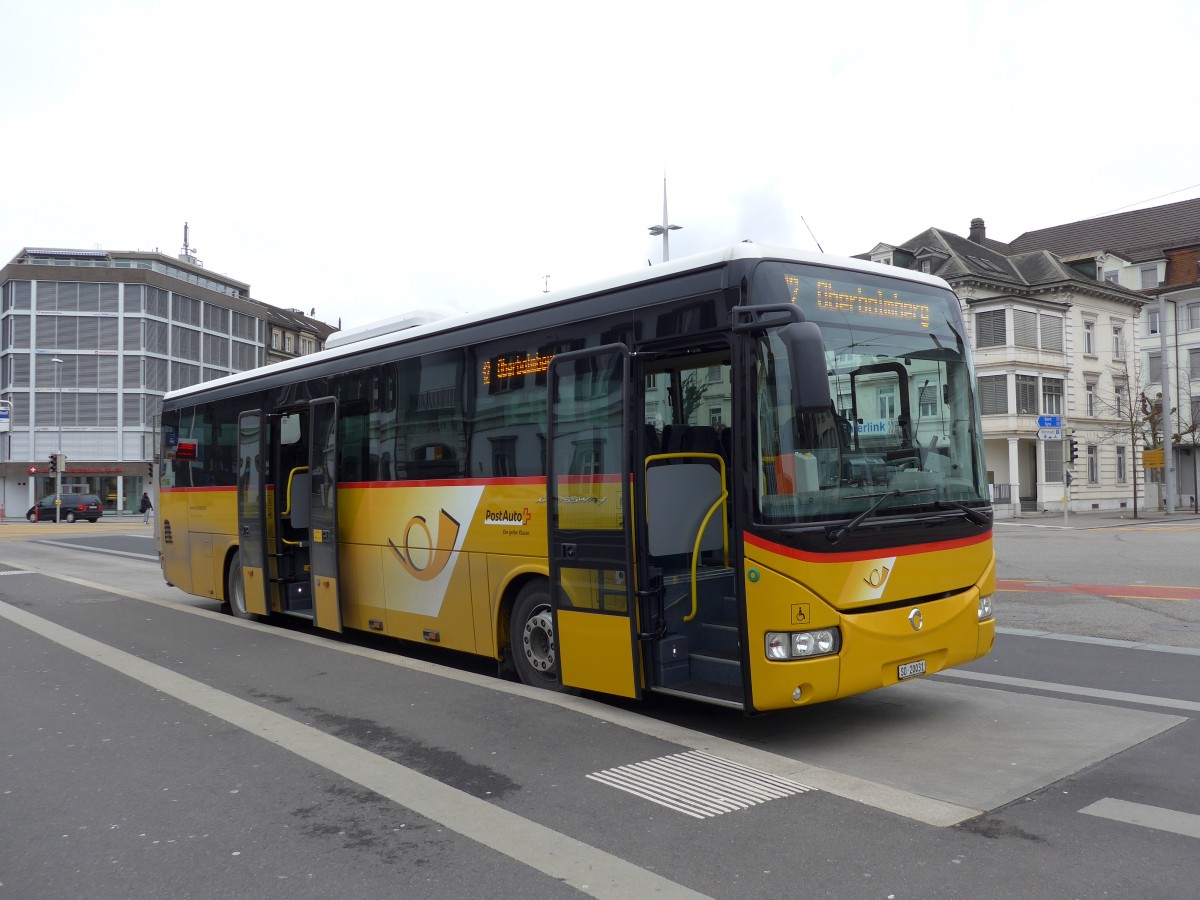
x,y
993,394
1052,332
1025,329
989,328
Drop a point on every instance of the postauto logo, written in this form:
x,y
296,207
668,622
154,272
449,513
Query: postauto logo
x,y
507,516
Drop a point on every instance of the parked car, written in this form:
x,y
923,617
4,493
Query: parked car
x,y
74,506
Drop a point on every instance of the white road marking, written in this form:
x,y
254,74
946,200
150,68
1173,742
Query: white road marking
x,y
1155,817
586,868
1073,690
698,784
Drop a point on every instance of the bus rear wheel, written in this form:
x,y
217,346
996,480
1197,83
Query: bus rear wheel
x,y
235,590
531,640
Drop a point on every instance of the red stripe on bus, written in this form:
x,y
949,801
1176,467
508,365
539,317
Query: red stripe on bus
x,y
857,555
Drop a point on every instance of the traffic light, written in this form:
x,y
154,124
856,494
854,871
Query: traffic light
x,y
1074,449
151,472
53,463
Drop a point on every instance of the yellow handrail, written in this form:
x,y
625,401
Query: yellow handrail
x,y
720,501
291,475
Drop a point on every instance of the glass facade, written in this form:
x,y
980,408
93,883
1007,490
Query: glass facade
x,y
84,366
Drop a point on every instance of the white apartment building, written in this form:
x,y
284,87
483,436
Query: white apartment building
x,y
1056,359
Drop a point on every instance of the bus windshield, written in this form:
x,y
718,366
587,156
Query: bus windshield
x,y
903,421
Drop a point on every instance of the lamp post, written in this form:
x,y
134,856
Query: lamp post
x,y
664,228
58,424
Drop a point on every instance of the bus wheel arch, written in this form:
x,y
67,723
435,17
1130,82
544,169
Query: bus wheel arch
x,y
235,588
532,649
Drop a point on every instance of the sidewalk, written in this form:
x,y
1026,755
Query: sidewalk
x,y
1104,518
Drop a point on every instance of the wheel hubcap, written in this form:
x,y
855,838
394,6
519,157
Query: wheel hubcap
x,y
538,640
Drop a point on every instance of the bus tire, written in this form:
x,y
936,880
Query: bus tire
x,y
531,642
235,591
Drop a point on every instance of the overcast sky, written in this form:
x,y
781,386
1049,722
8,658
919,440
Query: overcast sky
x,y
367,158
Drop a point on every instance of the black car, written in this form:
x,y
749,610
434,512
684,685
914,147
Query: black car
x,y
74,506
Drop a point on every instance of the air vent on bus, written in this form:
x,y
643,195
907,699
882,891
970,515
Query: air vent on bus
x,y
384,326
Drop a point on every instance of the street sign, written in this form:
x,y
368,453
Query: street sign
x,y
1049,434
1049,422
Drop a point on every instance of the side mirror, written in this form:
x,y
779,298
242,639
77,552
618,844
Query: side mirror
x,y
806,362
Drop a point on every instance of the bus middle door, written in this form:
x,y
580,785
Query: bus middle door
x,y
589,527
253,468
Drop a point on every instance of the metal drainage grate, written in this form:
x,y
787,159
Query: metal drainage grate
x,y
15,572
698,784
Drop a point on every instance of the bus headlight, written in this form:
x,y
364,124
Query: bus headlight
x,y
985,607
803,644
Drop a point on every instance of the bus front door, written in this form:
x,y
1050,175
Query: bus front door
x,y
323,546
589,526
252,510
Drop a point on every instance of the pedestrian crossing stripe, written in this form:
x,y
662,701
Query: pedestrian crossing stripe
x,y
698,784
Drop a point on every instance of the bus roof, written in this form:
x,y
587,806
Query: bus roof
x,y
418,323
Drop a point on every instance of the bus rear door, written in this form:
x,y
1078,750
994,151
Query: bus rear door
x,y
590,541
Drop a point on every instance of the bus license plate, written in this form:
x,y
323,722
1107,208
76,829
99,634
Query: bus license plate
x,y
908,670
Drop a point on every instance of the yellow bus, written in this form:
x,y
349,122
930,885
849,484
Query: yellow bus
x,y
753,477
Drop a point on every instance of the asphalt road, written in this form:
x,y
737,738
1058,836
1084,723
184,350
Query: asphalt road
x,y
153,747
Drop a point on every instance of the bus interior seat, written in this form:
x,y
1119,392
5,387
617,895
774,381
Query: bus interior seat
x,y
298,499
653,443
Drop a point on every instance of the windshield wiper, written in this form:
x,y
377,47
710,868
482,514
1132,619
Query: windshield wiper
x,y
834,534
974,515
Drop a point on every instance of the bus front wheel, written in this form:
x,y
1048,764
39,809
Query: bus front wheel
x,y
531,638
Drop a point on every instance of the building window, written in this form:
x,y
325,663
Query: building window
x,y
1154,367
989,329
1110,275
289,344
1089,338
1093,464
1120,465
1052,396
1152,320
993,394
926,266
1025,329
1194,363
1027,404
887,403
1193,316
276,338
1090,390
1118,345
1149,276
1119,401
714,416
1054,460
929,401
1051,329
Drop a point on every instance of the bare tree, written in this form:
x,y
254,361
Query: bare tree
x,y
1130,414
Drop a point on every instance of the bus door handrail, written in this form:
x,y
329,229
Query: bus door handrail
x,y
291,475
719,502
288,509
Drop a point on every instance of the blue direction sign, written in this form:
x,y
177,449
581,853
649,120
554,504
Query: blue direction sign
x,y
1049,421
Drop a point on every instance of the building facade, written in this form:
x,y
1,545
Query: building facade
x,y
90,341
1156,252
1052,345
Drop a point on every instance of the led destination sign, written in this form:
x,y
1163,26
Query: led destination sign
x,y
855,300
502,370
